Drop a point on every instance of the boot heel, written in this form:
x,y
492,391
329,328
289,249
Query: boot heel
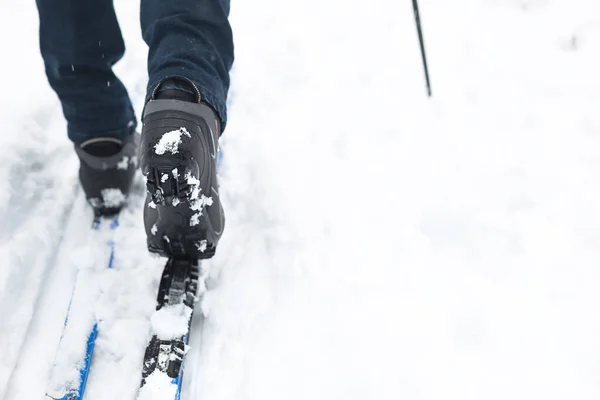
x,y
169,182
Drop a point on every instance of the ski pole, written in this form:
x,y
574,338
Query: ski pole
x,y
422,43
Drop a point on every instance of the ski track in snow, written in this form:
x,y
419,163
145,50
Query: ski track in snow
x,y
38,193
378,244
80,250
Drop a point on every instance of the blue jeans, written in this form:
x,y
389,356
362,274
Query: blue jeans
x,y
80,41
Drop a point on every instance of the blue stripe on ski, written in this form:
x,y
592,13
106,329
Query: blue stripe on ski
x,y
179,380
91,342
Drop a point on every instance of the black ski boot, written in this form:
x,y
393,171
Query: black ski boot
x,y
107,168
178,156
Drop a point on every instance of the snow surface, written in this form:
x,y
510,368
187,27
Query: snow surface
x,y
171,322
379,244
92,252
158,386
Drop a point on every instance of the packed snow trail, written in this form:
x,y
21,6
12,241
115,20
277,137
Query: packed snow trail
x,y
33,224
378,244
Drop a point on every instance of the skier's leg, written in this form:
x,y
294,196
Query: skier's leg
x,y
191,39
191,52
80,41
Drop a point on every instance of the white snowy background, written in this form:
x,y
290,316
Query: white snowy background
x,y
379,244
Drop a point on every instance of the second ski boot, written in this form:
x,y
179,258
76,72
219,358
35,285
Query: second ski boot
x,y
178,156
106,172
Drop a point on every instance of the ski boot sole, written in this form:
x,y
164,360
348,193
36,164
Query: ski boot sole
x,y
179,231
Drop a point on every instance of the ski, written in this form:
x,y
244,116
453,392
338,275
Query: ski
x,y
162,370
164,357
65,384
